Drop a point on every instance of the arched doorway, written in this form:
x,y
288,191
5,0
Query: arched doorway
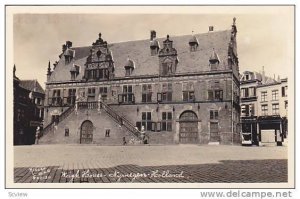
x,y
86,132
188,128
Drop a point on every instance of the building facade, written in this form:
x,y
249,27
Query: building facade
x,y
181,89
263,107
28,110
273,111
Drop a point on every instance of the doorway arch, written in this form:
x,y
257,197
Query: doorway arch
x,y
188,128
86,132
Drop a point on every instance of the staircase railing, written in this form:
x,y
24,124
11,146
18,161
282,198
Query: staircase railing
x,y
61,117
121,120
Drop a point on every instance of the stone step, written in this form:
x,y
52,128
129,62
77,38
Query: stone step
x,y
101,121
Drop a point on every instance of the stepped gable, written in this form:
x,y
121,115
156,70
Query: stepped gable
x,y
146,64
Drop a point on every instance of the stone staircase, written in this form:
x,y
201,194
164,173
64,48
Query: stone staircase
x,y
102,116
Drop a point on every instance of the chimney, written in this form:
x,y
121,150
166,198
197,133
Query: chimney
x,y
210,28
263,75
278,79
152,35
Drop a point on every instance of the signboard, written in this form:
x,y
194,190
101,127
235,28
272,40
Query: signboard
x,y
35,123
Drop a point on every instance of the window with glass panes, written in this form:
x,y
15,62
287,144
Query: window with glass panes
x,y
166,123
247,110
71,96
275,95
91,94
127,95
245,92
284,91
215,95
218,94
103,93
147,120
213,114
146,93
264,109
275,109
285,104
252,92
166,94
167,68
56,98
264,96
188,93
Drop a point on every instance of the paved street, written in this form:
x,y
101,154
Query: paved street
x,y
178,163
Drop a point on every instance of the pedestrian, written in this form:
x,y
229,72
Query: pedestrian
x,y
124,141
143,134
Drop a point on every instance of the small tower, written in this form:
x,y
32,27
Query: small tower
x,y
233,61
129,67
49,72
193,43
214,60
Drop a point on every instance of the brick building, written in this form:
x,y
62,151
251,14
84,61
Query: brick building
x,y
28,109
181,89
263,106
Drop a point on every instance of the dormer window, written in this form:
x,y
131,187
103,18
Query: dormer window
x,y
193,43
99,64
167,68
168,58
68,52
154,47
214,60
128,71
247,77
129,67
74,71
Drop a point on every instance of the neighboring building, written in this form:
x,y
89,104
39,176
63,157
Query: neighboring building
x,y
272,111
28,110
262,105
249,82
181,89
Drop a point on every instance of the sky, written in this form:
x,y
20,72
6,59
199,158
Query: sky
x,y
265,35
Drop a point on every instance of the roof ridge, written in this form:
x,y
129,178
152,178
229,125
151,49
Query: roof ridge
x,y
158,38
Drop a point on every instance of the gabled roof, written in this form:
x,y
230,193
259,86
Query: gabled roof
x,y
32,85
145,64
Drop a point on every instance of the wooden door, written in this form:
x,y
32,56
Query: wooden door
x,y
188,128
214,132
86,133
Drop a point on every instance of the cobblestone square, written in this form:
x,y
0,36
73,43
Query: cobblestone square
x,y
149,164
